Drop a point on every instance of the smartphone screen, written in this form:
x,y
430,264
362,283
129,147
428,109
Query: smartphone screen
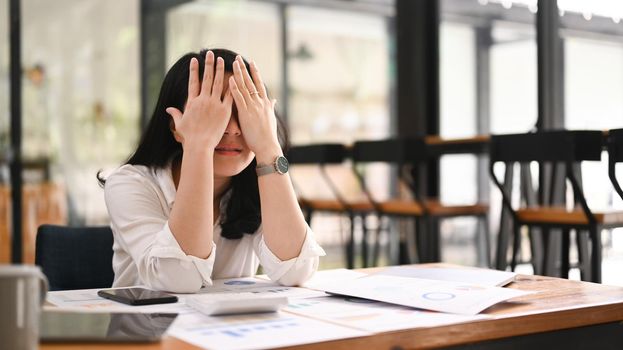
x,y
137,296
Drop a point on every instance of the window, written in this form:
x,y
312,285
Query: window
x,y
593,88
250,28
80,94
339,75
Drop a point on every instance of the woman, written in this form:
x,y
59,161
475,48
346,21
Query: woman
x,y
206,194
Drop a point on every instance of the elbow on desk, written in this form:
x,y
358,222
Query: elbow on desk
x,y
171,275
298,275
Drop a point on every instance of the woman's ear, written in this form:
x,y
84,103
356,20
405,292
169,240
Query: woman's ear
x,y
175,114
176,135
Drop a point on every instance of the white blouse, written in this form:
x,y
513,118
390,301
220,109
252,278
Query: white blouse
x,y
139,201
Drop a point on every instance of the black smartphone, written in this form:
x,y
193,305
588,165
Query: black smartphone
x,y
137,296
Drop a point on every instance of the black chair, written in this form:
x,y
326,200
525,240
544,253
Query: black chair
x,y
615,155
75,257
567,148
322,156
409,155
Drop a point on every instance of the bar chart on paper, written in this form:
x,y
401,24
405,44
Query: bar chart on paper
x,y
257,331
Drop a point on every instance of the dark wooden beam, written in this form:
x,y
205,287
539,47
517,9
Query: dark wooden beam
x,y
15,154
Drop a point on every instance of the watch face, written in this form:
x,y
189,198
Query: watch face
x,y
282,165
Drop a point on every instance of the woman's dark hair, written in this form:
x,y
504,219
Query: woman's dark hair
x,y
157,147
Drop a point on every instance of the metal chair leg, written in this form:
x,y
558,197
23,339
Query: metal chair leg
x,y
596,254
434,248
422,240
536,249
410,244
483,242
584,264
364,242
503,240
546,261
376,249
564,256
516,245
350,245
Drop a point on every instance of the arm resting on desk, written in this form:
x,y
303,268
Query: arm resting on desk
x,y
141,229
294,271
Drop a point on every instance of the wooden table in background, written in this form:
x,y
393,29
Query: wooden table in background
x,y
42,203
563,314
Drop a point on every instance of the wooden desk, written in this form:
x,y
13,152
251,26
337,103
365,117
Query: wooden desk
x,y
564,314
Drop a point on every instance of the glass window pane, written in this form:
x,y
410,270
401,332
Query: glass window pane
x,y
593,84
458,110
593,90
250,28
458,80
80,105
339,75
513,79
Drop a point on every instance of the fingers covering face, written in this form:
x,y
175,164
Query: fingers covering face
x,y
193,79
257,79
246,78
236,93
213,77
208,74
217,88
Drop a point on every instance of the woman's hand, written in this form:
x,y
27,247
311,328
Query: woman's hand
x,y
256,113
206,114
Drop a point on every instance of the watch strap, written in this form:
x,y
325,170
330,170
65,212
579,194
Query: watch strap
x,y
265,169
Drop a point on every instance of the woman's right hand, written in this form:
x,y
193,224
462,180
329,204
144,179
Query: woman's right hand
x,y
206,113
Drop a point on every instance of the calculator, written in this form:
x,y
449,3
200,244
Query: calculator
x,y
215,304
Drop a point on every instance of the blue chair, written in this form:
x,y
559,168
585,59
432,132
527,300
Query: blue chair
x,y
75,257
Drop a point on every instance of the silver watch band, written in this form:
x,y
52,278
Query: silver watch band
x,y
265,169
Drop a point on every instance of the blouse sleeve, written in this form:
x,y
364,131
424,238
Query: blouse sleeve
x,y
294,271
142,228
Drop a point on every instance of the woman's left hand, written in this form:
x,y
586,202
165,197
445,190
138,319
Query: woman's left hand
x,y
256,113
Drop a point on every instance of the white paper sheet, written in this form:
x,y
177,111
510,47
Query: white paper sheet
x,y
257,331
87,300
481,277
451,297
327,276
373,316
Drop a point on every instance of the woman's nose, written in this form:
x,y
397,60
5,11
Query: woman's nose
x,y
232,127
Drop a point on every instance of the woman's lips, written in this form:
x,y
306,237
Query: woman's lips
x,y
228,150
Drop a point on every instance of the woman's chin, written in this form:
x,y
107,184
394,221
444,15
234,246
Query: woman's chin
x,y
230,166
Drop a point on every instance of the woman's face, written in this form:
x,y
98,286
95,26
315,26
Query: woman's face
x,y
231,155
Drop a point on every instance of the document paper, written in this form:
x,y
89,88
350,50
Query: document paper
x,y
481,277
444,296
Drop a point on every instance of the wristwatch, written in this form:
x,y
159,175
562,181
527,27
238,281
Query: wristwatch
x,y
279,166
